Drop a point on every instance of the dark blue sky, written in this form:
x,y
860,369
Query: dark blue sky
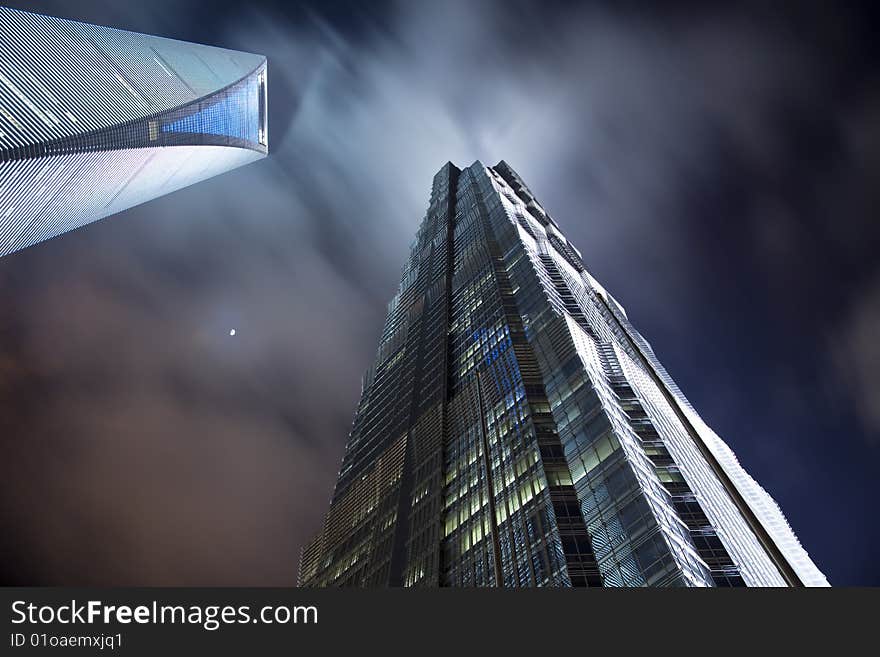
x,y
717,166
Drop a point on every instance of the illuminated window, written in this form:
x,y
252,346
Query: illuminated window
x,y
234,113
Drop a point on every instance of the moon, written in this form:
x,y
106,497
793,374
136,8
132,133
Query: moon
x,y
231,331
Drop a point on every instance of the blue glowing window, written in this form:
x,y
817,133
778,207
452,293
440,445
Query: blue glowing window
x,y
236,113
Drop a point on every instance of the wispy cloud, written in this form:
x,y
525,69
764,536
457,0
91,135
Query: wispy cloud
x,y
144,433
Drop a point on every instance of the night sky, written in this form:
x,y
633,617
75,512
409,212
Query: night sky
x,y
719,168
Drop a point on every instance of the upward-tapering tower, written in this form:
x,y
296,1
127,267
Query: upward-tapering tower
x,y
516,430
95,120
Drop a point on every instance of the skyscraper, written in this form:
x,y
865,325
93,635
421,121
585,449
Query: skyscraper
x,y
516,430
95,120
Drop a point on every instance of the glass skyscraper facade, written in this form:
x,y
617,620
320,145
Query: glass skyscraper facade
x,y
516,430
95,120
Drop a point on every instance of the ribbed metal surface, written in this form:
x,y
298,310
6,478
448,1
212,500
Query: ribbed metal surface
x,y
94,120
595,331
61,192
60,78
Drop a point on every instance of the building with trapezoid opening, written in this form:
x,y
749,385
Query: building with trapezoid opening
x,y
95,120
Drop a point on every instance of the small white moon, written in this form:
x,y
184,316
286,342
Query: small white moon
x,y
231,331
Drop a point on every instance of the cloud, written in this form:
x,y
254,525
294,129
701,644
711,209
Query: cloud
x,y
856,352
148,446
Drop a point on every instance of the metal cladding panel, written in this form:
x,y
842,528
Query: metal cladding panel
x,y
754,565
94,120
61,78
45,197
762,503
658,411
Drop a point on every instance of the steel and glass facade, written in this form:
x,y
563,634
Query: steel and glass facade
x,y
516,430
95,120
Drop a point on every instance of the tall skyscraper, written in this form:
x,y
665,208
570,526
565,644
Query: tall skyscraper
x,y
516,430
95,120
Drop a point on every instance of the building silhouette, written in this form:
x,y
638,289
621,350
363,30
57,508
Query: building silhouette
x,y
95,120
516,430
